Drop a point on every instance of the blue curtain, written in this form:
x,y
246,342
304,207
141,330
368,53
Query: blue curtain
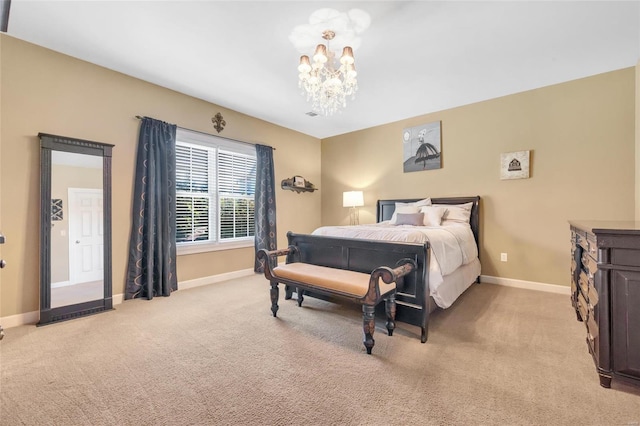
x,y
152,248
265,203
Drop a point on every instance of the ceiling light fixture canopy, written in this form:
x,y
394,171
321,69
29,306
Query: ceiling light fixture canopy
x,y
326,82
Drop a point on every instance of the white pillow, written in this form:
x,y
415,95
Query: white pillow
x,y
423,202
433,215
456,213
416,204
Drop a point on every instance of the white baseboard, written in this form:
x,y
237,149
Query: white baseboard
x,y
20,319
184,285
117,298
60,284
529,285
34,316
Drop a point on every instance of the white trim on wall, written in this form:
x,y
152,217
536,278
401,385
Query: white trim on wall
x,y
20,319
33,317
183,285
528,285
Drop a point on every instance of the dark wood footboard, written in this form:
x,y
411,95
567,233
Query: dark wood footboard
x,y
365,256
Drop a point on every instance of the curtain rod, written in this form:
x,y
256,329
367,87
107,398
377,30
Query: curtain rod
x,y
139,117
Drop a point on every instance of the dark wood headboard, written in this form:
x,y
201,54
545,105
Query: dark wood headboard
x,y
387,207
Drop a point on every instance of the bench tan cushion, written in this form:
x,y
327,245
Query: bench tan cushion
x,y
340,280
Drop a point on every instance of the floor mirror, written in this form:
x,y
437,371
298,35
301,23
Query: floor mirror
x,y
75,228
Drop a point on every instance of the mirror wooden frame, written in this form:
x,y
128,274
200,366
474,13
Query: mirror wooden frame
x,y
49,143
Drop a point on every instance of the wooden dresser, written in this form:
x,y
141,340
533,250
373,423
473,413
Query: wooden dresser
x,y
605,292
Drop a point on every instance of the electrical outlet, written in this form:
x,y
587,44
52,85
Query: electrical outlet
x,y
503,257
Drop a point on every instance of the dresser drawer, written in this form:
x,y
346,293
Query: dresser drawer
x,y
581,304
581,241
592,246
592,296
625,257
583,282
589,264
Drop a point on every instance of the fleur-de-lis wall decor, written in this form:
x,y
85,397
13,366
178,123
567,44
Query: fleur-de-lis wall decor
x,y
218,122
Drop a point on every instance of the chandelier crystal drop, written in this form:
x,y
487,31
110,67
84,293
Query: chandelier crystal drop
x,y
326,82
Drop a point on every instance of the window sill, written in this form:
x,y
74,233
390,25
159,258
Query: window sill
x,y
207,246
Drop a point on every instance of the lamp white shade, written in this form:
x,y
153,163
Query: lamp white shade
x,y
352,199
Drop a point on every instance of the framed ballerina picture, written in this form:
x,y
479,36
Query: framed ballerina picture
x,y
421,147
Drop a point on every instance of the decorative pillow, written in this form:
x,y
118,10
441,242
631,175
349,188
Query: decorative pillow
x,y
413,219
432,215
456,213
404,209
414,208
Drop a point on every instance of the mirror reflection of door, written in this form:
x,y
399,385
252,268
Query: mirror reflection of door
x,y
85,235
77,239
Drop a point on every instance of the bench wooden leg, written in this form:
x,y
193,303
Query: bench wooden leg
x,y
275,293
300,295
288,292
390,308
368,325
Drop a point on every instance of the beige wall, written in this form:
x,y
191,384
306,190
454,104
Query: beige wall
x,y
579,127
43,91
581,137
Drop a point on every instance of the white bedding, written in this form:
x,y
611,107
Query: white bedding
x,y
452,246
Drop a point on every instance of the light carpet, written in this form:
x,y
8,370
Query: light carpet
x,y
214,355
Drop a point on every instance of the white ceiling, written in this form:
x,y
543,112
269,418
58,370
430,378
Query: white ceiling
x,y
415,58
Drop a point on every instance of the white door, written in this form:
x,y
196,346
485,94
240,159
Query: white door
x,y
86,242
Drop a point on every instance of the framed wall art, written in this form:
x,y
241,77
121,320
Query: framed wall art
x,y
56,209
421,147
514,165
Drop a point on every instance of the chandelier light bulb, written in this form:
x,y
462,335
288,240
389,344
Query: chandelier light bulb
x,y
320,56
347,56
305,65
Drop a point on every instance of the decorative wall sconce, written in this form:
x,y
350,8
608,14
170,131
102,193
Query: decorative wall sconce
x,y
298,184
218,122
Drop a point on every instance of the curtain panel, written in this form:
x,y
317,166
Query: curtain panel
x,y
152,249
265,204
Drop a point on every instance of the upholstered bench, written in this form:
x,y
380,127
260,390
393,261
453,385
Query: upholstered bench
x,y
358,287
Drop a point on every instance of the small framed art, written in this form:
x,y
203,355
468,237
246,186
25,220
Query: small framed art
x,y
56,209
514,165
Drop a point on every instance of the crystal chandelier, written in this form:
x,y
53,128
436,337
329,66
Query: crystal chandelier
x,y
326,82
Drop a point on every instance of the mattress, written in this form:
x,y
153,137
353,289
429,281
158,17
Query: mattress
x,y
454,263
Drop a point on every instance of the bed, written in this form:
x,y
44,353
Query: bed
x,y
453,258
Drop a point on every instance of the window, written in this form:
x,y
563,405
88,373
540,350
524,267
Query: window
x,y
215,192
